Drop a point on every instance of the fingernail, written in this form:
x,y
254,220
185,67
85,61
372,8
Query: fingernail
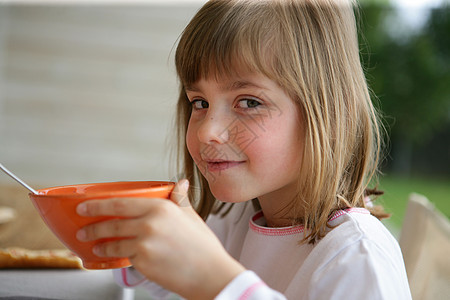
x,y
82,209
96,250
185,185
81,235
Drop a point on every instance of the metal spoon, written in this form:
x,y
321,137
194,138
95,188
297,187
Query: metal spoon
x,y
17,179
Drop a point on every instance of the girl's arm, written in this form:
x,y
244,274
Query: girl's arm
x,y
167,242
247,285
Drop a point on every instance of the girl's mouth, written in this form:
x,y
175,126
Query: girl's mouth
x,y
216,166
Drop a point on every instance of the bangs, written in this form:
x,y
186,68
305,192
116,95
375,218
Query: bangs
x,y
228,38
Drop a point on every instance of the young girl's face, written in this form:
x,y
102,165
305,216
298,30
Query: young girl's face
x,y
245,136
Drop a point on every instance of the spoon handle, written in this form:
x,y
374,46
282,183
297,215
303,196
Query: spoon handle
x,y
18,179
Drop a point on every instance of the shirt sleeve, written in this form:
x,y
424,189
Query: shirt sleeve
x,y
131,278
128,277
248,286
362,271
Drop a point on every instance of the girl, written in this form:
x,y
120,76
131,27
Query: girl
x,y
274,110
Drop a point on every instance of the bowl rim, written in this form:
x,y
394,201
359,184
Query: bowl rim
x,y
156,185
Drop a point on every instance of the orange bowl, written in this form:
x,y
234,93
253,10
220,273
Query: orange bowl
x,y
57,207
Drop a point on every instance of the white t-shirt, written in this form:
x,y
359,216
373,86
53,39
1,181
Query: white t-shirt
x,y
357,259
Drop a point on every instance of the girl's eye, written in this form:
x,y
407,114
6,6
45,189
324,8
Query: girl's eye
x,y
248,103
199,104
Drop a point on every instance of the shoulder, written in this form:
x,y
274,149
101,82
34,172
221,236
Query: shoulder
x,y
357,233
355,225
359,257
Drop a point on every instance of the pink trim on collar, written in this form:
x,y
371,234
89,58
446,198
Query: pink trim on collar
x,y
282,231
358,210
272,231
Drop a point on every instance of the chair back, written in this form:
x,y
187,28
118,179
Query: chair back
x,y
425,243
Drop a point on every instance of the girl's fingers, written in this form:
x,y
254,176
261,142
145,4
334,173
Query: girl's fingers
x,y
119,207
119,248
132,207
179,194
108,229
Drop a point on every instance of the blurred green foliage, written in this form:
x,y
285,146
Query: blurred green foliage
x,y
408,70
398,189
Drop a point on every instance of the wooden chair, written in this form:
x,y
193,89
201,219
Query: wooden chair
x,y
425,243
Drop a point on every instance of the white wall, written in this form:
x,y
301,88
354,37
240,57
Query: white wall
x,y
87,92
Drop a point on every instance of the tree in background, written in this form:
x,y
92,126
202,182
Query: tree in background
x,y
409,72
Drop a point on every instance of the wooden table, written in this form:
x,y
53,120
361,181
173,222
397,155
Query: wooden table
x,y
27,230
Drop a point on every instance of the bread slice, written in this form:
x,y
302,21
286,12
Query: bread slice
x,y
25,258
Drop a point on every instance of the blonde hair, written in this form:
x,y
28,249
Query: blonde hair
x,y
310,48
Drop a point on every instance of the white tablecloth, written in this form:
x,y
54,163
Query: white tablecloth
x,y
61,284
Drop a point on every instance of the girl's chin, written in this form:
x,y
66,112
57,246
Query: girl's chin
x,y
229,195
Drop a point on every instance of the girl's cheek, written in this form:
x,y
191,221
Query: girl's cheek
x,y
189,141
192,143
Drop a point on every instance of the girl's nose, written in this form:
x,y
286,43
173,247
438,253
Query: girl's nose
x,y
214,129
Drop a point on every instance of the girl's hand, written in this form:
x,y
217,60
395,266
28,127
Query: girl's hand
x,y
166,241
